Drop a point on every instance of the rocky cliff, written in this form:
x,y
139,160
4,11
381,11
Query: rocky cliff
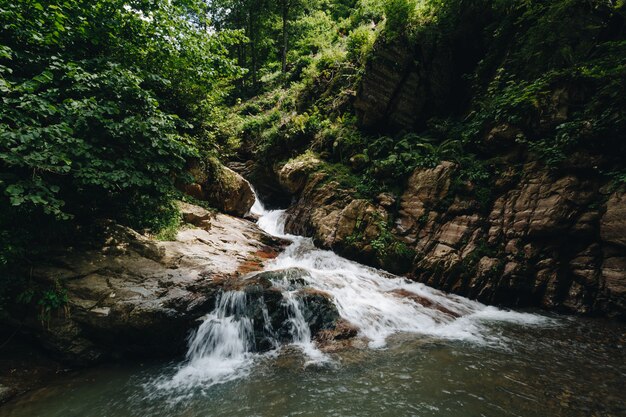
x,y
483,162
548,239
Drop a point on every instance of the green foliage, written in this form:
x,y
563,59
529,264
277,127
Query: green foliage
x,y
393,254
360,42
399,14
52,300
102,103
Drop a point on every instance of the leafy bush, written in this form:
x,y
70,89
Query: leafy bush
x,y
398,14
360,42
102,104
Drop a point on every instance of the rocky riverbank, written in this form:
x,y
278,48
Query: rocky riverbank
x,y
549,239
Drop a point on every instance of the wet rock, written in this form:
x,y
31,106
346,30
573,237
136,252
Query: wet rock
x,y
318,309
342,336
269,305
425,302
220,186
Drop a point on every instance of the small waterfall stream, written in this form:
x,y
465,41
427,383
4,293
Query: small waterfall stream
x,y
377,303
430,354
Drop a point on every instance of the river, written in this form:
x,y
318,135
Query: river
x,y
460,359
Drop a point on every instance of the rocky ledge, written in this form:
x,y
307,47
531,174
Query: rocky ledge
x,y
129,294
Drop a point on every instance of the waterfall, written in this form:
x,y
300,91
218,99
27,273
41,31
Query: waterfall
x,y
220,348
379,304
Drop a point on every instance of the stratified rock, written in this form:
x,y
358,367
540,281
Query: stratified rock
x,y
613,225
406,82
542,239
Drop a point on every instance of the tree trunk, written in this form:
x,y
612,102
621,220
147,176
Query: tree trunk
x,y
285,13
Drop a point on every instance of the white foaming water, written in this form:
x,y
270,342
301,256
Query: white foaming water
x,y
219,350
379,304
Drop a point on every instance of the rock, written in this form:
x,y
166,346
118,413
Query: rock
x,y
359,162
6,393
294,174
271,308
265,182
502,138
342,336
406,82
319,310
130,295
386,200
539,242
229,192
220,186
613,225
23,366
195,215
425,188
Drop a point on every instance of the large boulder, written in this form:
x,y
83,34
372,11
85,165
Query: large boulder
x,y
229,192
128,294
221,187
293,175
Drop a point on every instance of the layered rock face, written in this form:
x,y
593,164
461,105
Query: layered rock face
x,y
409,81
545,239
336,221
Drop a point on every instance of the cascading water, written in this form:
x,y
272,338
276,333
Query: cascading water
x,y
423,371
220,349
377,303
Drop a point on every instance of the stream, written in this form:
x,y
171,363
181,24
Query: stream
x,y
461,358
